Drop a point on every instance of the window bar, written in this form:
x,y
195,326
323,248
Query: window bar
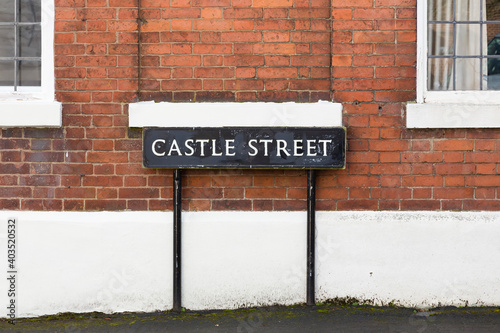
x,y
17,15
481,45
454,44
428,78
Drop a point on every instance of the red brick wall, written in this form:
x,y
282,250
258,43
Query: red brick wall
x,y
361,53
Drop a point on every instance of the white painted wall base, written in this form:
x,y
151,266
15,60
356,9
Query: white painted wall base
x,y
83,262
122,261
233,260
415,259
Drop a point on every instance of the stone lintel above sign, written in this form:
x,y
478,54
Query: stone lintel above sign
x,y
245,147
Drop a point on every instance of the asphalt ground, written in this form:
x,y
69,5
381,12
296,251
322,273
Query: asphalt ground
x,y
299,318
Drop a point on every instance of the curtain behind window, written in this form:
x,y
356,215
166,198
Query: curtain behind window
x,y
465,42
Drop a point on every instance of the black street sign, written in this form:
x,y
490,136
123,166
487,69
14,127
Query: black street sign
x,y
245,147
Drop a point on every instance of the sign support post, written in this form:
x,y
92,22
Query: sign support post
x,y
305,148
311,236
177,210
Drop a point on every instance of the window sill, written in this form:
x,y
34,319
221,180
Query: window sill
x,y
252,114
30,114
435,115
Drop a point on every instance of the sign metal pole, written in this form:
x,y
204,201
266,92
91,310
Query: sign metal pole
x,y
177,210
311,236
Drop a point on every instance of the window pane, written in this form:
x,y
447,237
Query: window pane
x,y
30,10
493,50
493,10
29,41
7,11
6,41
468,10
440,74
6,73
492,31
30,73
440,10
469,40
468,75
441,39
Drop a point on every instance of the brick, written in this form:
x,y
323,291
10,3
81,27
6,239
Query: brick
x,y
202,193
422,181
351,3
242,13
272,3
290,205
137,204
420,205
257,193
105,205
455,169
274,48
225,205
358,181
128,193
212,49
390,169
155,25
244,60
11,204
484,193
230,181
277,72
234,193
453,193
422,157
37,204
179,36
483,181
454,181
95,13
211,3
308,13
211,96
107,157
39,180
373,37
213,25
357,205
184,60
391,193
481,205
74,192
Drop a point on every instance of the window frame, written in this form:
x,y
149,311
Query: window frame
x,y
37,107
447,109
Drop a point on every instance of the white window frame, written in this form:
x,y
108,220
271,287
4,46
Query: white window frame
x,y
36,106
447,109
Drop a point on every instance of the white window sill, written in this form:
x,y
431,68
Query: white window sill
x,y
30,114
252,114
435,115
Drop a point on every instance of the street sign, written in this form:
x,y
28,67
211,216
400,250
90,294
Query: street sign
x,y
245,147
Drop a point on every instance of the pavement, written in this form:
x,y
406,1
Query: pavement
x,y
326,317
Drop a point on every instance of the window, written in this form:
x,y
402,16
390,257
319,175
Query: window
x,y
458,64
26,64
